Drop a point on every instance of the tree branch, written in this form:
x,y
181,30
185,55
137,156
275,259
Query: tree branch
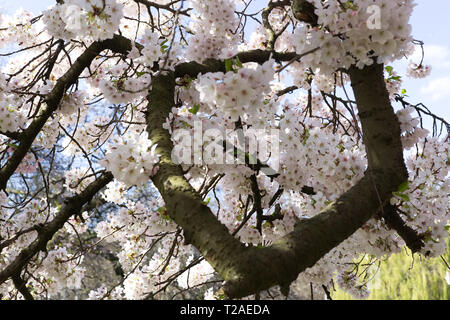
x,y
71,207
21,286
247,270
413,240
53,100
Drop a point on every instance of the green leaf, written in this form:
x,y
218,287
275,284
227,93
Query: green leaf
x,y
389,70
194,109
161,209
12,145
207,201
402,196
238,62
164,48
140,73
251,159
403,187
228,65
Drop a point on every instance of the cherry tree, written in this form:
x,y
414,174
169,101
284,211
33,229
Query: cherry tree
x,y
239,147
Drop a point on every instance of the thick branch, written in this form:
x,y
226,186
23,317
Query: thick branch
x,y
53,99
303,10
121,45
12,135
21,286
247,270
413,240
212,65
72,207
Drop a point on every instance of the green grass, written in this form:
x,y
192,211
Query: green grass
x,y
401,279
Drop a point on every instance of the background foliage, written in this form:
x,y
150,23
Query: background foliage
x,y
404,278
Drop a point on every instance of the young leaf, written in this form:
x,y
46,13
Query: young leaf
x,y
238,62
402,196
228,65
12,145
161,209
389,70
403,187
194,109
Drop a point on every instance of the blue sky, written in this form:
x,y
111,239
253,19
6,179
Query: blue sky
x,y
430,22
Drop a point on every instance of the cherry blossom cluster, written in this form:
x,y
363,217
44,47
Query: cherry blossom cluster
x,y
146,278
32,212
197,275
424,204
11,119
16,28
317,157
355,32
29,164
136,219
137,228
115,192
55,270
259,40
76,180
239,93
152,50
393,84
71,103
132,158
213,24
60,269
49,134
96,19
411,132
418,71
117,85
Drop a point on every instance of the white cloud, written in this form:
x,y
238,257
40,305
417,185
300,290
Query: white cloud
x,y
435,55
438,88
